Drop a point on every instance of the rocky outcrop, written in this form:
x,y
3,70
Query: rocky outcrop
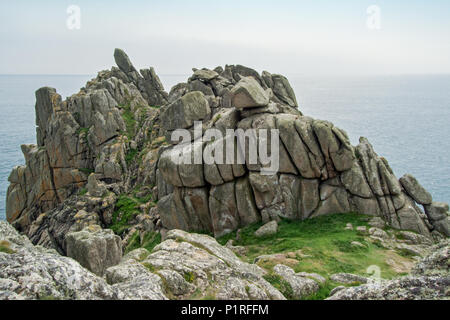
x,y
112,141
439,216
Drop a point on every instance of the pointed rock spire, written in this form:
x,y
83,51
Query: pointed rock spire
x,y
123,61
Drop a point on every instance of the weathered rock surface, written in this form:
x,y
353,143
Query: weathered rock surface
x,y
38,273
347,278
301,286
94,248
270,228
415,189
110,121
184,265
182,113
439,216
249,94
208,267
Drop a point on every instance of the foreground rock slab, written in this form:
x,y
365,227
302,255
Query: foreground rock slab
x,y
211,269
183,266
37,273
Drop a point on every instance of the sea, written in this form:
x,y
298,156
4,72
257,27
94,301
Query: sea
x,y
406,118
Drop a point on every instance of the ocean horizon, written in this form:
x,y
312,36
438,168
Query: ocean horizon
x,y
405,117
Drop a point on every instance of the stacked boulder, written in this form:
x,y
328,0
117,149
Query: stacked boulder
x,y
320,172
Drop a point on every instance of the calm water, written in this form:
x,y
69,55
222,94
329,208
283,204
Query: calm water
x,y
405,117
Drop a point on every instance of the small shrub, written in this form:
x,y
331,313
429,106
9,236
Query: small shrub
x,y
130,156
189,276
84,131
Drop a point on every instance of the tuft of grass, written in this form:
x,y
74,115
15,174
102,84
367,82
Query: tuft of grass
x,y
323,292
5,247
189,276
46,297
150,267
82,191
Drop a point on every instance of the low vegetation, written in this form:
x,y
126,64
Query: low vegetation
x,y
5,247
130,121
149,240
126,210
127,207
321,245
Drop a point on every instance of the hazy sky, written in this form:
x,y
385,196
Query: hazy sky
x,y
290,37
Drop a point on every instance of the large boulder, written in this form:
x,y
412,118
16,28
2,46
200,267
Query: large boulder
x,y
248,93
439,216
270,228
182,113
204,75
123,61
94,187
136,281
415,190
302,287
94,248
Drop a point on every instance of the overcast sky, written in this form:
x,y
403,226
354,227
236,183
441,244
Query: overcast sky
x,y
290,37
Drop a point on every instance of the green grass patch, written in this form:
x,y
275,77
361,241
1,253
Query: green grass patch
x,y
130,121
324,244
82,191
126,210
325,290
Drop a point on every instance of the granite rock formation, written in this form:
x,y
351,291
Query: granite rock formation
x,y
113,139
